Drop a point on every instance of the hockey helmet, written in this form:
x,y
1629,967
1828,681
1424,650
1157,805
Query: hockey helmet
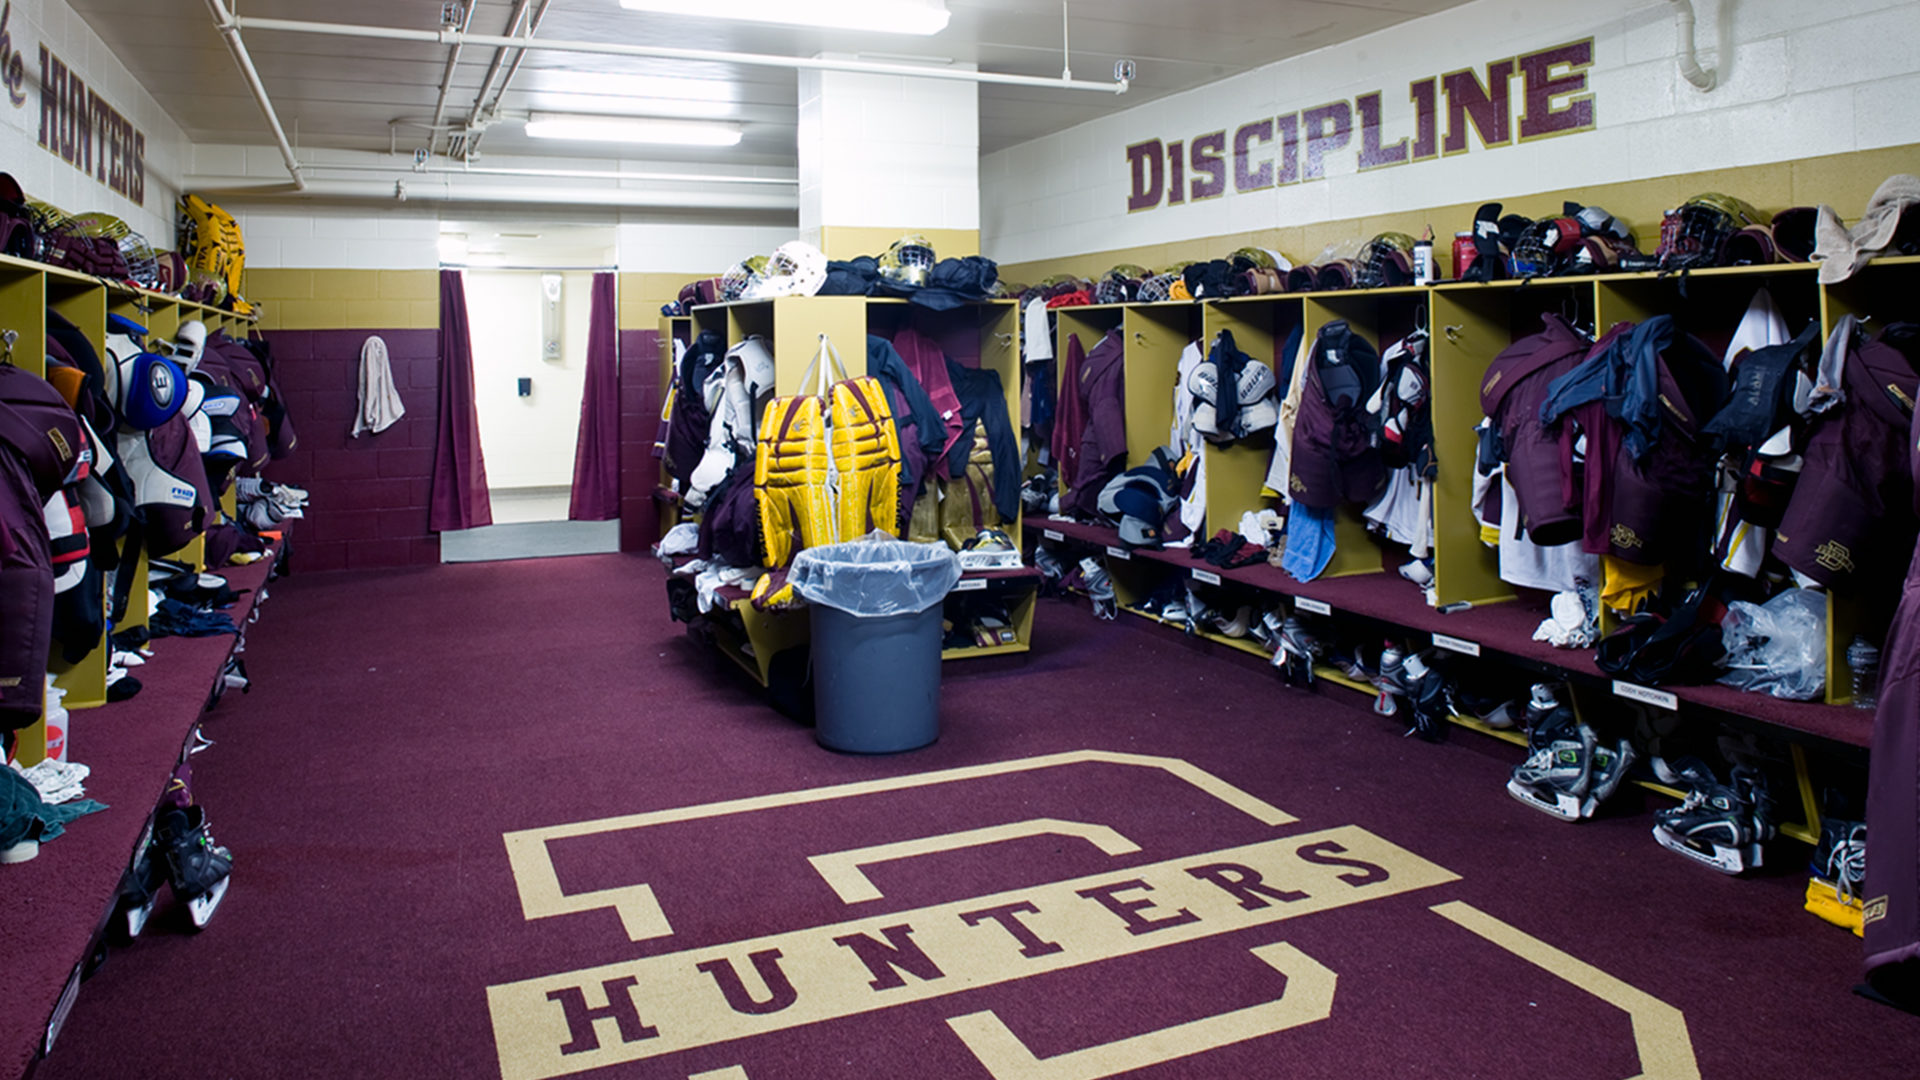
x,y
1259,258
1386,260
1157,288
1334,275
143,263
1696,234
796,268
1543,244
1120,284
741,278
908,261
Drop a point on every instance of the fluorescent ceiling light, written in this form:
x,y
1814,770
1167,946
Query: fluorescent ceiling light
x,y
617,84
630,129
679,108
878,16
652,95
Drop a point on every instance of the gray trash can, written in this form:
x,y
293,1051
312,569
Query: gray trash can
x,y
875,617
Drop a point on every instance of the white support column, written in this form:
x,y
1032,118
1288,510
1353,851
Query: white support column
x,y
884,155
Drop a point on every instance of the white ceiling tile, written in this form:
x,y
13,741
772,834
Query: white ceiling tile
x,y
342,93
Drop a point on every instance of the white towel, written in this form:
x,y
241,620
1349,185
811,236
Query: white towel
x,y
380,405
1039,338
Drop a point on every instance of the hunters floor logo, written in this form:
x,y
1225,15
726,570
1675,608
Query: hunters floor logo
x,y
734,992
1276,151
89,134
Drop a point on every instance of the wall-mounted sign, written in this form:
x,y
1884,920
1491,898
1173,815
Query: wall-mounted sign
x,y
13,66
1275,151
89,134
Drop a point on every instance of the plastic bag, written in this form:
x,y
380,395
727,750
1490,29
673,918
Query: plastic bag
x,y
1778,648
876,575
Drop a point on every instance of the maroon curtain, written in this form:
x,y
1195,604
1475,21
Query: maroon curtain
x,y
596,453
459,494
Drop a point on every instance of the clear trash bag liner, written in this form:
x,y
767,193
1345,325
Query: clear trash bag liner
x,y
875,575
1779,647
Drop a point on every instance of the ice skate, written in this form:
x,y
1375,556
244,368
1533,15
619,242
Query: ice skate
x,y
1558,773
1610,765
198,869
1723,826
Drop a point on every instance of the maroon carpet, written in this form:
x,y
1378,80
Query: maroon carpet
x,y
403,721
51,906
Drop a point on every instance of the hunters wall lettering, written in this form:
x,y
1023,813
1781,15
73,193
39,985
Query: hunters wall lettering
x,y
89,134
1277,151
13,66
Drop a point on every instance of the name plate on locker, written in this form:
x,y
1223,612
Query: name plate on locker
x,y
1052,535
1635,692
971,584
1454,644
1119,552
1206,577
1312,606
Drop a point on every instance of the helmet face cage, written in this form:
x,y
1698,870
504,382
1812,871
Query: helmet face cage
x,y
1387,260
909,260
143,265
741,277
1546,247
1157,288
1695,235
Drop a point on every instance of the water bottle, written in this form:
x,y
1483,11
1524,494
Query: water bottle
x,y
1423,259
1863,658
1464,251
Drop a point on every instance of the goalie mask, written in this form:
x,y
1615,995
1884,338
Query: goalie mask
x,y
795,268
742,278
909,261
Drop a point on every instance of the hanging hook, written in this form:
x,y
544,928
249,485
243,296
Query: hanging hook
x,y
1005,338
8,338
1453,332
1139,338
1420,319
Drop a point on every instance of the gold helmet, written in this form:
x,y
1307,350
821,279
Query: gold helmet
x,y
740,278
908,261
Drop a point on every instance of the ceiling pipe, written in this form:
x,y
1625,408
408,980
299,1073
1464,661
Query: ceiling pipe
x,y
456,143
443,190
493,108
229,27
604,48
1689,53
446,78
399,171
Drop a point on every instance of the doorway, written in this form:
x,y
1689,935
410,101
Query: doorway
x,y
528,311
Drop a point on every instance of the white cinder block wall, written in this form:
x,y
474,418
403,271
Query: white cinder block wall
x,y
672,248
1802,79
47,176
400,235
888,151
